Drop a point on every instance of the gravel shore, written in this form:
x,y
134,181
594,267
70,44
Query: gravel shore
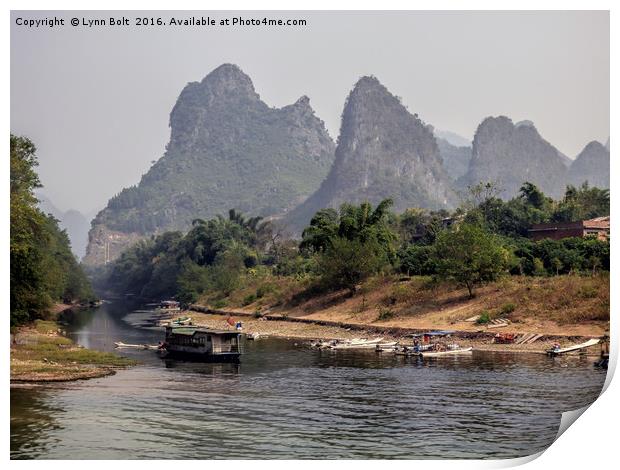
x,y
310,331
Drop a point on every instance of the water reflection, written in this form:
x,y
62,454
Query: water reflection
x,y
288,401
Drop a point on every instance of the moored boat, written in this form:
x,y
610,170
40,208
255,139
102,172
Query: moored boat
x,y
121,345
449,352
169,306
358,344
406,351
202,344
556,350
181,321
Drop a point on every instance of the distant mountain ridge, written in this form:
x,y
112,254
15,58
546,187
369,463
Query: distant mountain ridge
x,y
455,159
73,221
510,154
452,138
591,165
227,149
383,152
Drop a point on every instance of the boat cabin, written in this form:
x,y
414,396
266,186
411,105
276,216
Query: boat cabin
x,y
202,343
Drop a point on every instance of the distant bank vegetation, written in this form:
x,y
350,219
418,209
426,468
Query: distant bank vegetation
x,y
43,268
482,241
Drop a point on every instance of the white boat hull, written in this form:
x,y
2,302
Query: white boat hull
x,y
452,352
577,347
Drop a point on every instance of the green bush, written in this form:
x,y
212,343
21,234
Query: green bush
x,y
248,299
221,303
385,314
507,308
484,318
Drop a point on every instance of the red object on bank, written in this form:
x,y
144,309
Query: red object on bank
x,y
230,321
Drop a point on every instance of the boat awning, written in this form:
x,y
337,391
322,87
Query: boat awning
x,y
190,331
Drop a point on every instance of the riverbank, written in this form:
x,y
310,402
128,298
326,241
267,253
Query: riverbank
x,y
41,353
311,330
559,309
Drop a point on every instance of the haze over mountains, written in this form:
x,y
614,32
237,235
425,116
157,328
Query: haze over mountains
x,y
383,152
592,164
74,222
229,149
513,153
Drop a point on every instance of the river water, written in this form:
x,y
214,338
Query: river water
x,y
286,400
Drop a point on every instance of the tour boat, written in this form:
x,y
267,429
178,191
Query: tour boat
x,y
202,344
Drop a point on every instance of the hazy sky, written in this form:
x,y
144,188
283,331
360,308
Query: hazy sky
x,y
96,101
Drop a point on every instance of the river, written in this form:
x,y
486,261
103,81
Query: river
x,y
285,400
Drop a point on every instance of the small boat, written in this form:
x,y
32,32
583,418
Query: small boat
x,y
449,352
356,343
252,336
366,341
359,344
182,321
391,346
555,351
169,306
121,345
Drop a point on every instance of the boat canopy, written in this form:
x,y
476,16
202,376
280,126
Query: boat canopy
x,y
191,331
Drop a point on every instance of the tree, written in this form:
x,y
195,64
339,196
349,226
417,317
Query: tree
x,y
346,263
323,227
43,269
469,255
477,194
420,226
582,203
417,260
534,197
354,222
512,218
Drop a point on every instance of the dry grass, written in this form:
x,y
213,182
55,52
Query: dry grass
x,y
259,291
562,299
40,353
558,305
